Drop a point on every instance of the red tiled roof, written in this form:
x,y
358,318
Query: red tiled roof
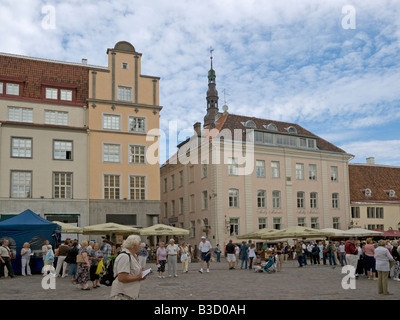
x,y
233,121
379,179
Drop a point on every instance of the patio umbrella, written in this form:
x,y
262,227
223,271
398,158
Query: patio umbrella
x,y
163,230
392,233
109,229
335,232
67,228
360,232
296,232
258,234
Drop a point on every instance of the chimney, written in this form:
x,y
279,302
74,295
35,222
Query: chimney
x,y
197,128
84,61
371,160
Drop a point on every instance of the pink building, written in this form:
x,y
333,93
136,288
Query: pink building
x,y
239,174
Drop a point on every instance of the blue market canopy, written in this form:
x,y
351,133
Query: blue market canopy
x,y
31,228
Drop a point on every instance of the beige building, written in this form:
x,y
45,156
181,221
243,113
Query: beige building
x,y
43,138
288,177
123,106
374,196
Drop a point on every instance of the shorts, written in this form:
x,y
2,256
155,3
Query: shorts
x,y
205,256
231,257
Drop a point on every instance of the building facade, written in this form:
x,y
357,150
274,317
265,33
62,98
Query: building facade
x,y
280,175
123,107
43,138
374,196
73,139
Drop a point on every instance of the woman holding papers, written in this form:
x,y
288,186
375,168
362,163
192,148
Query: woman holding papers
x,y
128,271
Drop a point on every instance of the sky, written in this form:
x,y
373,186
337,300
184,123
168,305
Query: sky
x,y
330,66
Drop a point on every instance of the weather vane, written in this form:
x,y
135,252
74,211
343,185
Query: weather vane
x,y
211,51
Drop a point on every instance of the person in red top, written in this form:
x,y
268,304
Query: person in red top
x,y
351,253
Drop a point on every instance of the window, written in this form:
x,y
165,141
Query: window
x,y
111,186
312,172
277,223
124,65
355,212
314,200
111,121
301,222
299,171
66,95
261,199
379,213
137,187
233,198
335,200
62,185
191,174
300,200
204,200
20,114
192,229
180,206
136,154
137,124
314,222
165,189
262,223
334,174
234,226
56,117
21,184
172,182
204,170
1,87
12,89
232,166
292,130
21,147
276,199
260,168
111,153
172,208
51,93
180,178
165,209
62,150
271,126
124,93
191,203
336,223
368,192
275,169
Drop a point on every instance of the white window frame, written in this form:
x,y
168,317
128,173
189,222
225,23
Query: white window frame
x,y
21,147
56,117
137,154
137,124
299,171
204,200
234,226
301,198
19,114
334,170
260,169
24,188
314,200
276,199
125,93
62,147
233,166
66,94
233,197
111,152
312,172
275,169
111,121
335,200
116,189
52,93
12,89
261,199
61,188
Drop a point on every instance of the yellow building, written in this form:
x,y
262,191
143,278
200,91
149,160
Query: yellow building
x,y
123,106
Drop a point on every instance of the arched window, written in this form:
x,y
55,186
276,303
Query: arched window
x,y
261,199
271,126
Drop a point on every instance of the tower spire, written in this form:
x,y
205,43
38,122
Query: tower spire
x,y
212,95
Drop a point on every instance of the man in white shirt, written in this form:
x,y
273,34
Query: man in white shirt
x,y
172,250
205,252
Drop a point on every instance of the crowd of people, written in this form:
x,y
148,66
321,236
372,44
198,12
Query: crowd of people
x,y
376,260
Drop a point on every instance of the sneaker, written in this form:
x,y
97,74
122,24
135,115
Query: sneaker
x,y
208,270
175,275
201,270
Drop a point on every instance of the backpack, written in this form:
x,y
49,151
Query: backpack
x,y
107,275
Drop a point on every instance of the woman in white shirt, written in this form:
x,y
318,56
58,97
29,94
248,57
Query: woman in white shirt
x,y
25,259
382,258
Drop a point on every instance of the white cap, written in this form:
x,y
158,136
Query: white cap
x,y
203,237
